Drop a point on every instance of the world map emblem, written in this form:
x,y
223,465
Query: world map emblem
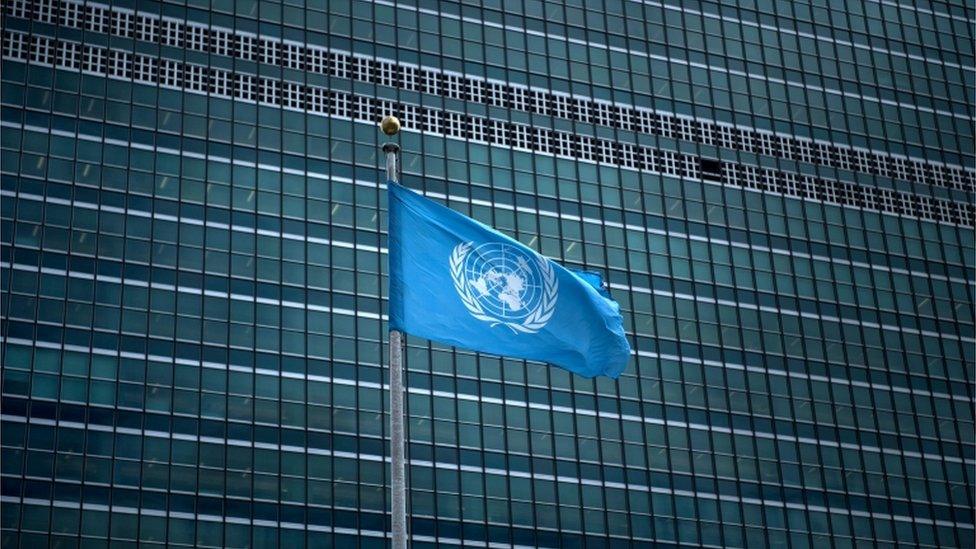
x,y
503,284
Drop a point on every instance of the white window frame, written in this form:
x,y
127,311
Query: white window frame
x,y
72,14
120,64
497,92
431,121
293,55
587,150
726,136
454,124
318,99
582,110
93,59
147,28
387,74
69,55
521,137
222,42
476,90
540,102
292,96
246,87
542,140
603,113
15,45
170,73
339,65
520,97
563,144
170,33
123,23
409,77
269,91
318,60
454,86
18,8
42,50
561,105
341,104
96,19
46,11
268,51
477,129
247,47
221,83
431,81
196,78
499,131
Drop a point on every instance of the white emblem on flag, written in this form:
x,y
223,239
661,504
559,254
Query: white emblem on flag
x,y
503,284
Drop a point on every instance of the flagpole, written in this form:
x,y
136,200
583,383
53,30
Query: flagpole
x,y
398,485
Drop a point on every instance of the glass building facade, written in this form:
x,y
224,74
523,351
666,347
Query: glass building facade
x,y
780,195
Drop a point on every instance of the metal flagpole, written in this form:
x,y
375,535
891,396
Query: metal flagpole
x,y
398,482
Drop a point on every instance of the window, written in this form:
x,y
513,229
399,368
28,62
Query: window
x,y
496,93
293,55
196,78
69,55
431,120
247,47
519,97
319,100
42,50
408,78
318,60
339,65
123,23
431,81
170,32
476,90
170,74
561,105
454,86
521,136
221,42
246,86
340,104
94,59
18,8
120,64
145,68
147,28
293,97
269,51
270,91
386,74
454,125
14,45
602,113
564,144
540,102
71,14
96,19
45,11
477,128
581,108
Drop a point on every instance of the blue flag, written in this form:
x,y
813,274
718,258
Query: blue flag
x,y
456,281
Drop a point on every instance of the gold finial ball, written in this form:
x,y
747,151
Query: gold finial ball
x,y
390,125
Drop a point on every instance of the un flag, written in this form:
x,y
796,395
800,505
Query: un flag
x,y
456,281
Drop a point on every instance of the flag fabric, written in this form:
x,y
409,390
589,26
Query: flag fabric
x,y
459,282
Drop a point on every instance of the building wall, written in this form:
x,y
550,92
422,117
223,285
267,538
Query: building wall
x,y
193,271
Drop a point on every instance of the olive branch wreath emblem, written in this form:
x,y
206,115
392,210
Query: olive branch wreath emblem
x,y
536,320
